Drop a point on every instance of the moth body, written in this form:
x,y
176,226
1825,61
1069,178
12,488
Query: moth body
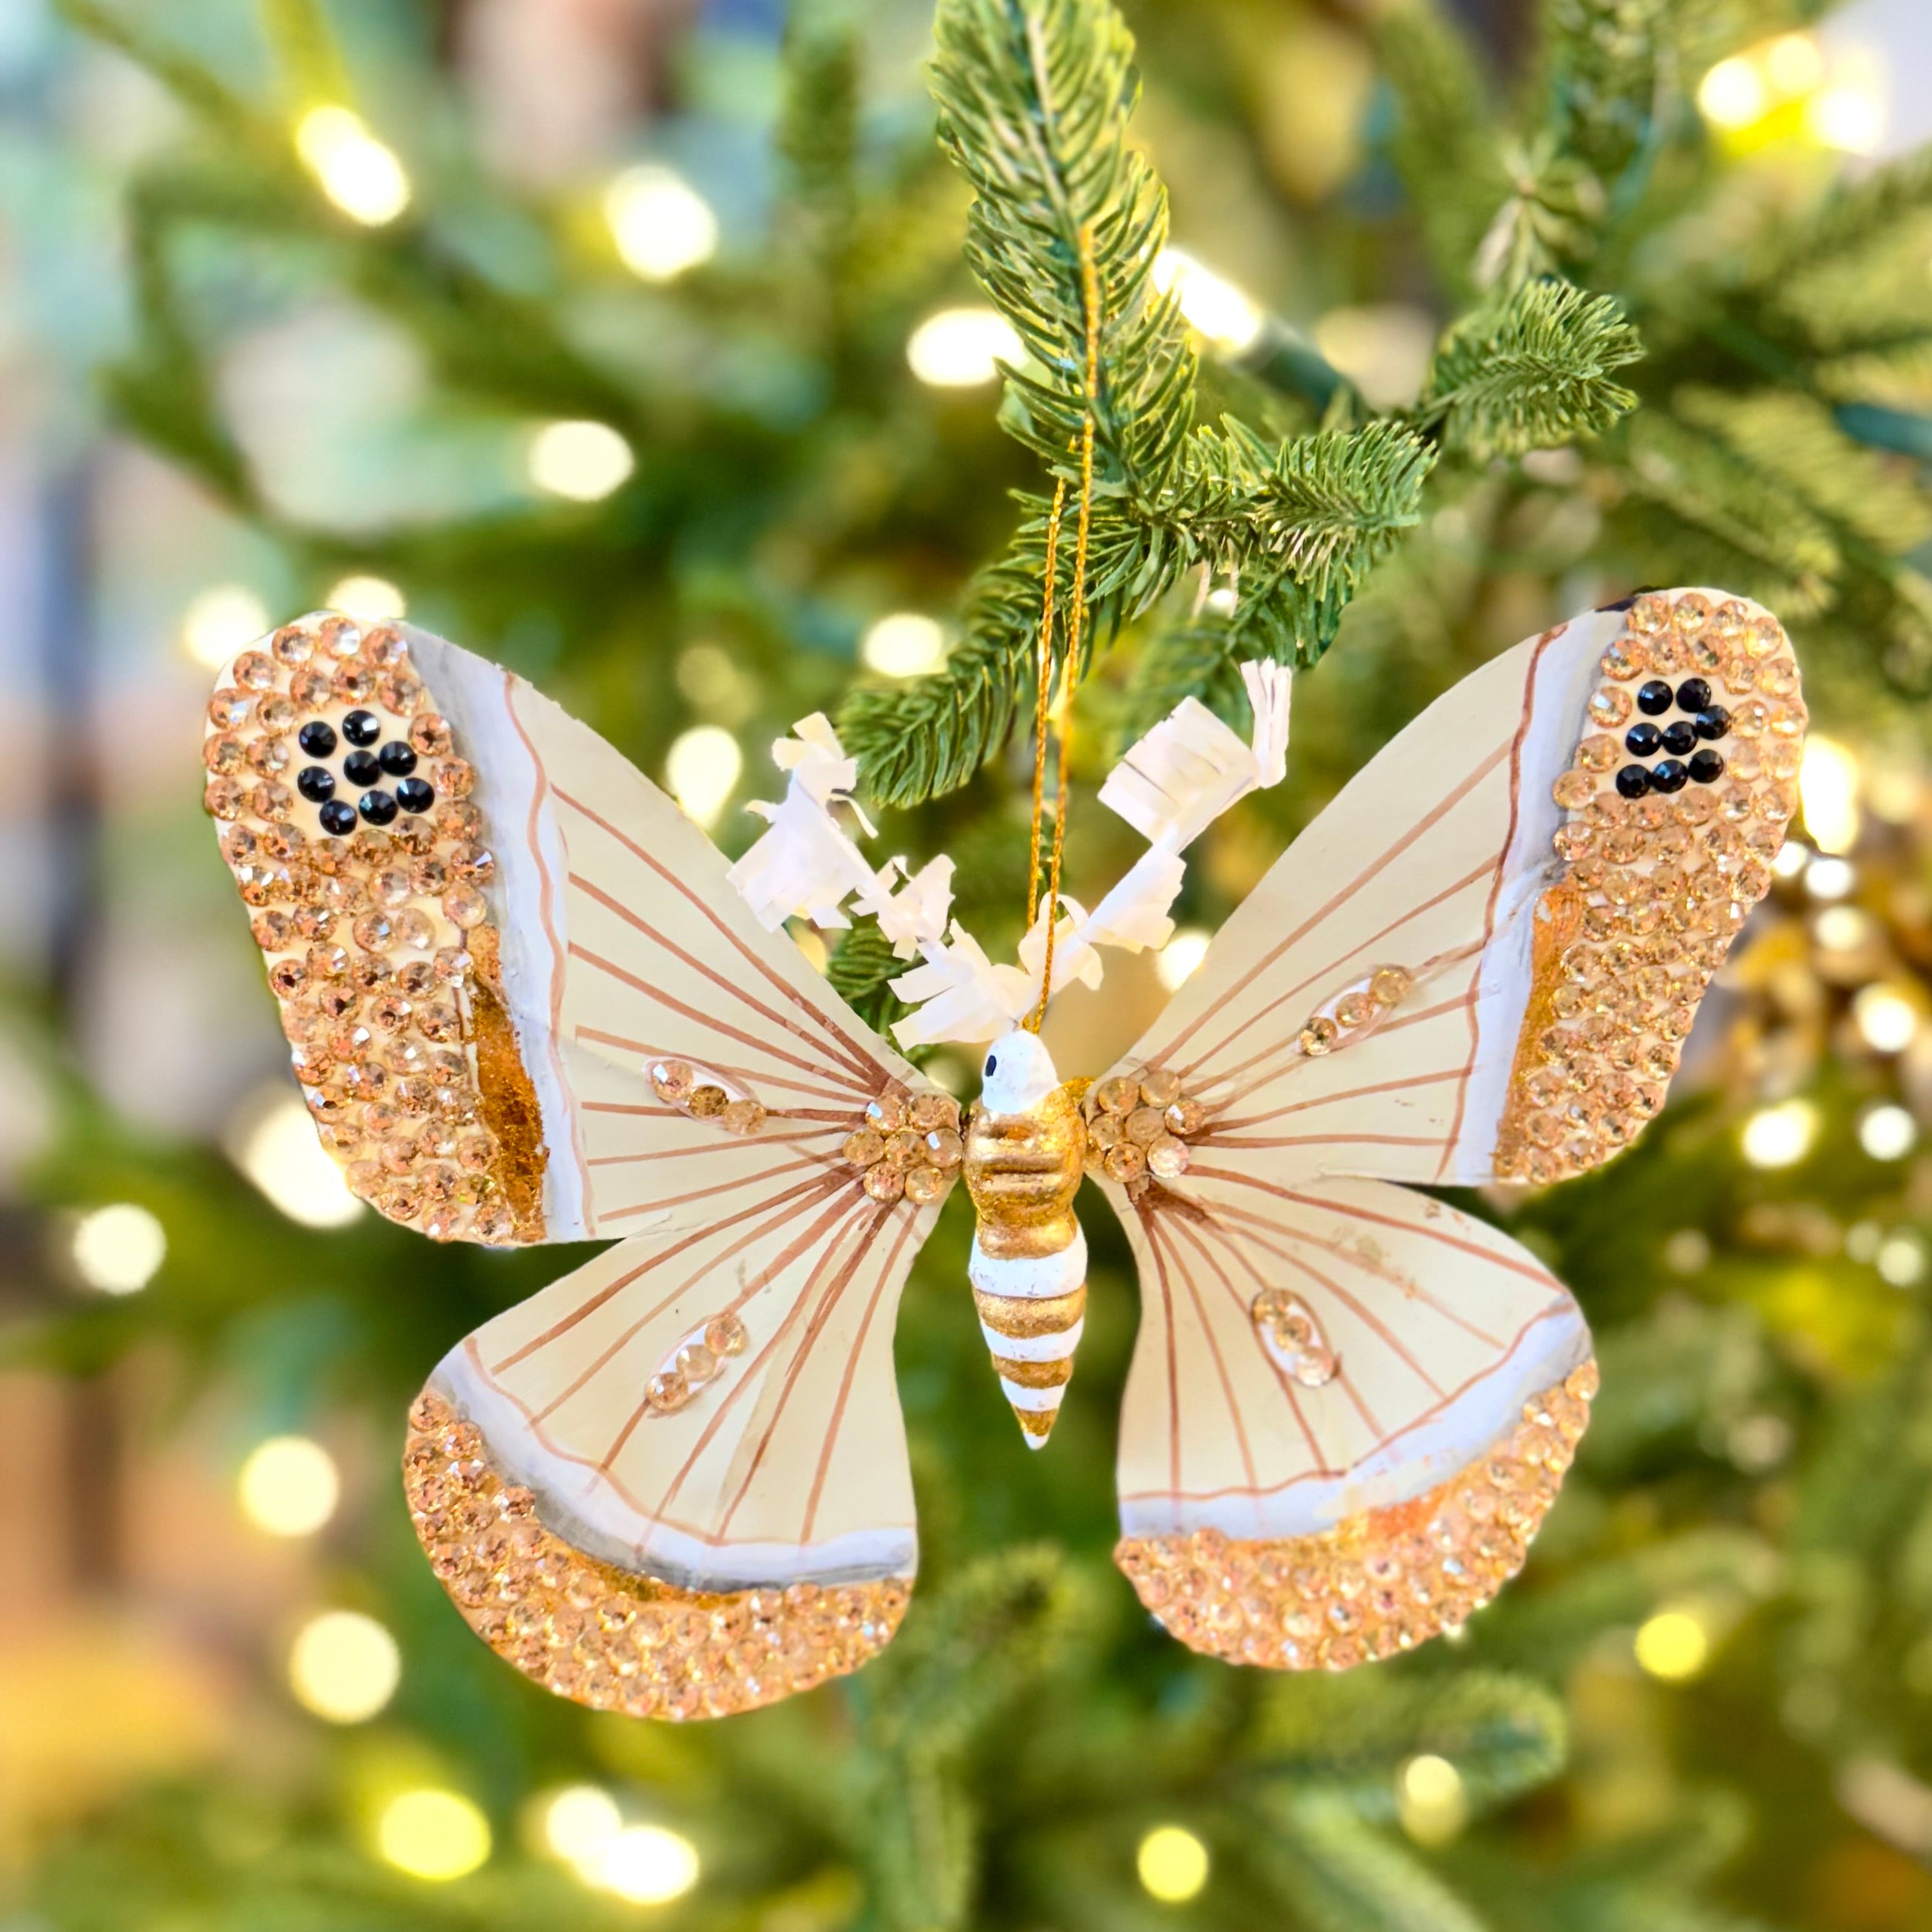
x,y
1025,1149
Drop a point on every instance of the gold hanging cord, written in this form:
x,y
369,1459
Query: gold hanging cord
x,y
1044,712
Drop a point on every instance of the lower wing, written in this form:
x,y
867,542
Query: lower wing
x,y
1348,1409
675,1482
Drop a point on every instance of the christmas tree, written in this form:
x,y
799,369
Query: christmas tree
x,y
1667,336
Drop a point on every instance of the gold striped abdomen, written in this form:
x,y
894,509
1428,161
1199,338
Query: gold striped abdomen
x,y
1029,1260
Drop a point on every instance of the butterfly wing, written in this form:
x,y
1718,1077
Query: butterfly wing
x,y
1479,963
526,1005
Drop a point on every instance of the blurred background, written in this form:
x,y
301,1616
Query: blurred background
x,y
629,342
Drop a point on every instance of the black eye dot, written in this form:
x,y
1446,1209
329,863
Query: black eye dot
x,y
992,1062
1680,737
1633,782
1643,741
317,739
361,768
377,807
316,784
361,728
1692,694
414,795
1714,721
337,819
1667,775
398,761
1707,766
1653,699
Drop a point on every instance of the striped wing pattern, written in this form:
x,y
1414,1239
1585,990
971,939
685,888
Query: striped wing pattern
x,y
1478,963
674,1482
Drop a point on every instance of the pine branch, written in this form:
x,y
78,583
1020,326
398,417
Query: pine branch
x,y
861,964
1034,97
1607,68
1340,1875
1533,373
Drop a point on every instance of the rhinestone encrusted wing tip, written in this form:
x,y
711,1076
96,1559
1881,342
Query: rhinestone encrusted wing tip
x,y
609,1638
1378,1583
345,815
1683,779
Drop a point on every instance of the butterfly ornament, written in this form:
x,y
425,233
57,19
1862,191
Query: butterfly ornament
x,y
528,1000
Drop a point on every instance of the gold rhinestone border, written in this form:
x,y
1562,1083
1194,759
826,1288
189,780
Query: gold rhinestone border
x,y
601,1637
1376,1584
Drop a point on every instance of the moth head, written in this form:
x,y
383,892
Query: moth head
x,y
1017,1073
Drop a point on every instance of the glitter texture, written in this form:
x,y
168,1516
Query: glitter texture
x,y
424,1101
605,1637
1375,1584
1657,886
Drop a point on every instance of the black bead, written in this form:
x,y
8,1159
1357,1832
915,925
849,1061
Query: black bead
x,y
377,807
1707,766
361,768
398,761
361,728
1692,694
338,820
1643,741
1667,775
414,795
317,739
1633,782
1655,698
316,783
1680,737
1713,722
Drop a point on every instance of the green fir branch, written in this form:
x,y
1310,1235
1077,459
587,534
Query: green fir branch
x,y
1532,373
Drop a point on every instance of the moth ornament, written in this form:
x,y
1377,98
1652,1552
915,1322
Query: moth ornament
x,y
528,1001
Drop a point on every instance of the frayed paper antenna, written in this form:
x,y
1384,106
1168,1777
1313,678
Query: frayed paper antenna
x,y
1171,786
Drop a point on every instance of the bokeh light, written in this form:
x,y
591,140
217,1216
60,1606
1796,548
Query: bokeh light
x,y
1673,1645
344,1666
357,172
646,1865
1886,1020
580,1822
1176,960
289,1485
221,620
661,225
1827,783
274,1145
374,599
1215,309
1733,94
1781,1136
433,1834
904,644
1172,1864
960,348
701,771
119,1249
1887,1131
1431,1798
581,461
1900,1259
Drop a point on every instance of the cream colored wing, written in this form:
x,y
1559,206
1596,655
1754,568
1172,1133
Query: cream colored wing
x,y
1481,960
1349,1409
527,1004
485,928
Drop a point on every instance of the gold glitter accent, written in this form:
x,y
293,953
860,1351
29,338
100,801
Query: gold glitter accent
x,y
605,1637
1656,887
1378,1583
372,1084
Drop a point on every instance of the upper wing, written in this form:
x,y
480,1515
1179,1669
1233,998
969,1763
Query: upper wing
x,y
1481,961
478,974
1349,1409
527,1004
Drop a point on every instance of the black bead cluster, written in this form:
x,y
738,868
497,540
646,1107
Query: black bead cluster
x,y
364,769
1686,762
